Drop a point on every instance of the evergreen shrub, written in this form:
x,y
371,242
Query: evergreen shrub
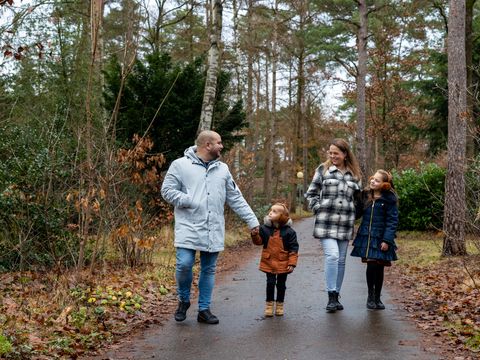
x,y
421,197
33,214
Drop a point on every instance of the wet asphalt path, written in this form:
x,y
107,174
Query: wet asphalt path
x,y
305,332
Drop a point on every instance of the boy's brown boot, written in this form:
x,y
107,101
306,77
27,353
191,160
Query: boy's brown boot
x,y
268,309
279,308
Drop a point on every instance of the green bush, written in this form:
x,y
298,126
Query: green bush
x,y
421,196
33,211
472,187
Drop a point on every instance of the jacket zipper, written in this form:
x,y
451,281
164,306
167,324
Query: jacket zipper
x,y
369,230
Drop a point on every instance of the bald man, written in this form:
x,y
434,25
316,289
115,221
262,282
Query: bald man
x,y
198,185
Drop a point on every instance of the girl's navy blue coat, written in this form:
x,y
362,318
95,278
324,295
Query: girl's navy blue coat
x,y
379,224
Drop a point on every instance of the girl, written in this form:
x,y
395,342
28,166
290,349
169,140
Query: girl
x,y
279,254
331,197
375,240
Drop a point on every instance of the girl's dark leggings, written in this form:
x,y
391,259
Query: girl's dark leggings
x,y
375,277
279,281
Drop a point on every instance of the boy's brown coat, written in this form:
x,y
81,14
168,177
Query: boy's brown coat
x,y
280,247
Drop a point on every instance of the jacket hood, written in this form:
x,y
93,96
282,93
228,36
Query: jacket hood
x,y
191,153
268,222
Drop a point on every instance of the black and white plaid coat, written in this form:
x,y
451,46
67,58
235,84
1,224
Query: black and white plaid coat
x,y
331,196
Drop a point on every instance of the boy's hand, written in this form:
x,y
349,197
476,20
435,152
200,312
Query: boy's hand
x,y
384,246
290,268
254,231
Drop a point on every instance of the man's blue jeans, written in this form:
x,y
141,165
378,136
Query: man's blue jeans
x,y
335,255
184,275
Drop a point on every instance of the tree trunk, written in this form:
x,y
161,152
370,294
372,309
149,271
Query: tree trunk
x,y
267,175
361,75
297,127
305,179
96,17
271,128
206,116
454,211
251,140
297,140
236,49
469,63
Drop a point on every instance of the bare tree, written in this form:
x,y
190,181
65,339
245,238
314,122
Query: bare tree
x,y
455,204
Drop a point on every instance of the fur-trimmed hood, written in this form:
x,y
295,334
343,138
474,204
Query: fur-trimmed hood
x,y
269,223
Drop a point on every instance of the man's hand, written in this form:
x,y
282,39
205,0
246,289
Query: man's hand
x,y
254,231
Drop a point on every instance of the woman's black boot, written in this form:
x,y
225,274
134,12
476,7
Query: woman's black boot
x,y
332,304
337,296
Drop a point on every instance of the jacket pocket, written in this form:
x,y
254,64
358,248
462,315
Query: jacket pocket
x,y
265,254
352,186
330,188
283,255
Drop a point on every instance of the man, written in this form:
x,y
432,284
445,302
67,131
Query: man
x,y
198,185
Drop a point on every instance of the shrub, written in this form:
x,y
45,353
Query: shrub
x,y
421,196
472,185
32,209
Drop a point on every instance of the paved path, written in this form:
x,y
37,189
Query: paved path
x,y
305,332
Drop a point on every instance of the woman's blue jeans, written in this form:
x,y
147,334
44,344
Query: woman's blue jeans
x,y
335,255
184,276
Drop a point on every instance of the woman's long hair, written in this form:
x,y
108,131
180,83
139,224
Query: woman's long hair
x,y
351,162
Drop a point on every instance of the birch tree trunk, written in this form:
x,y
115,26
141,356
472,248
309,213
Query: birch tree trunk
x,y
213,68
361,75
455,206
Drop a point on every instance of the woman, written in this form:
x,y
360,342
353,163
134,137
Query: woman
x,y
331,195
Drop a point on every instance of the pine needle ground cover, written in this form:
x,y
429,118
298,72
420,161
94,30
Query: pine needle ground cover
x,y
442,295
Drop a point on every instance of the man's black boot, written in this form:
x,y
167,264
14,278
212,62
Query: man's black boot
x,y
181,313
205,316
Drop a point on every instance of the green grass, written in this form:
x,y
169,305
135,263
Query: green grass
x,y
423,249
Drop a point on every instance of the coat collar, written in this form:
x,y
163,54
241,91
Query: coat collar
x,y
268,222
333,168
389,196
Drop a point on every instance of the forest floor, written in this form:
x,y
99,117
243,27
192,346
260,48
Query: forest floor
x,y
50,315
442,295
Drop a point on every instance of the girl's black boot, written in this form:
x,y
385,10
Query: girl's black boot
x,y
378,303
371,300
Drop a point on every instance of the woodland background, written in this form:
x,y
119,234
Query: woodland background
x,y
98,97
